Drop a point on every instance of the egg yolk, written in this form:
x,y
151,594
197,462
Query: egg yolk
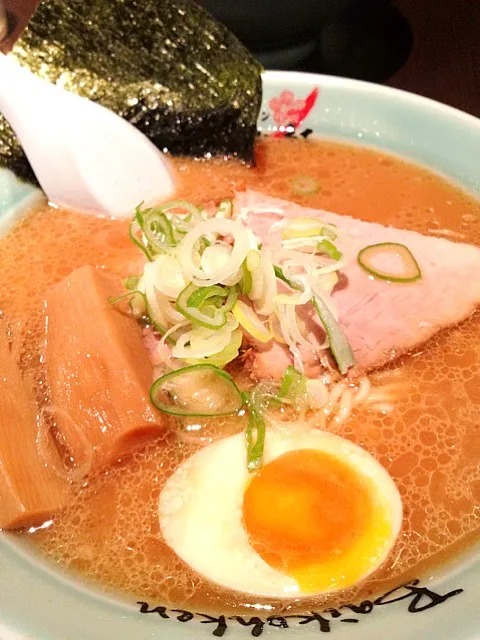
x,y
315,517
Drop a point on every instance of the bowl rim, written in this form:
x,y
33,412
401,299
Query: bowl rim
x,y
365,86
303,79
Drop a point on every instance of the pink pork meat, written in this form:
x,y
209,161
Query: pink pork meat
x,y
381,319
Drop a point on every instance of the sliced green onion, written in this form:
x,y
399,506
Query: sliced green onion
x,y
281,276
225,356
137,302
214,296
183,205
305,185
409,270
255,439
301,228
225,208
250,264
293,386
158,229
257,404
131,283
163,227
113,300
231,299
139,215
339,345
196,315
133,228
253,258
202,294
250,321
200,390
328,281
157,325
328,232
246,281
138,305
181,223
201,244
204,306
327,247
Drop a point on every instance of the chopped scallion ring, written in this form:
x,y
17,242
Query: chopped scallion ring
x,y
339,344
131,283
249,320
222,358
255,438
281,276
138,305
231,300
328,232
225,208
302,228
305,185
201,390
210,317
179,207
327,247
114,300
201,294
205,306
293,386
246,281
402,265
257,403
133,229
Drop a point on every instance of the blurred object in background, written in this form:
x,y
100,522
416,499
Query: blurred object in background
x,y
17,13
431,47
364,39
3,22
280,32
445,60
370,41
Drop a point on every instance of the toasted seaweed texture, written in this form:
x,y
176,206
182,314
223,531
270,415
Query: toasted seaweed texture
x,y
165,65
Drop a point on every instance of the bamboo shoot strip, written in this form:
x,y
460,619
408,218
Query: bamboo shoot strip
x,y
30,489
98,371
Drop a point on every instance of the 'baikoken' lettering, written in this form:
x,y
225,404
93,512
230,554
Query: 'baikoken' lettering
x,y
419,599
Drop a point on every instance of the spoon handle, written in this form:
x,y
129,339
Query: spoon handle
x,y
24,98
84,156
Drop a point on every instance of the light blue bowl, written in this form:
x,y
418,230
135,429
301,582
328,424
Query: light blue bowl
x,y
37,602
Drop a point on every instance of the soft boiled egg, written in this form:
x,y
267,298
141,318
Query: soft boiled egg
x,y
320,515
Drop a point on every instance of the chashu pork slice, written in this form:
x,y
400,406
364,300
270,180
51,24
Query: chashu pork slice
x,y
381,319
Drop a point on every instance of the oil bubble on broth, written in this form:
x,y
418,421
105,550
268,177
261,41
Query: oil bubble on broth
x,y
110,533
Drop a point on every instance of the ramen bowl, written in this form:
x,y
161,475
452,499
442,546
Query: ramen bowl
x,y
41,602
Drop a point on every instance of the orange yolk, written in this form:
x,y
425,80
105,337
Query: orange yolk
x,y
307,511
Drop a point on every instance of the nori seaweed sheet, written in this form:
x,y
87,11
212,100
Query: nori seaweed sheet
x,y
166,66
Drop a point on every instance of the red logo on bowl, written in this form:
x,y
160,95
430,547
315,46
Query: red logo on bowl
x,y
289,111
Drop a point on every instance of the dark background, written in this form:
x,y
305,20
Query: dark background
x,y
444,62
430,47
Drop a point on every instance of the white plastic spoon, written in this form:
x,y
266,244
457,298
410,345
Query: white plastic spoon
x,y
85,157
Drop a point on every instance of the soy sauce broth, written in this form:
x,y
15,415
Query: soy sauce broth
x,y
110,534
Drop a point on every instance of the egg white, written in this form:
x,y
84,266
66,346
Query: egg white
x,y
200,507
